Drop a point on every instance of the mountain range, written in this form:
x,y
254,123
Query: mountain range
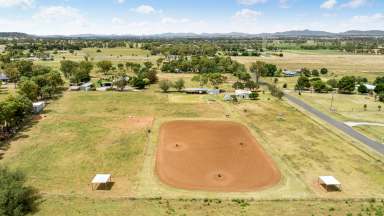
x,y
291,34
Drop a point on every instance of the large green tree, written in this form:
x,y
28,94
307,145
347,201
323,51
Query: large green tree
x,y
16,199
258,69
347,85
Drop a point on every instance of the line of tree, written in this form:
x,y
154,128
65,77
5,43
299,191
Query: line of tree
x,y
203,64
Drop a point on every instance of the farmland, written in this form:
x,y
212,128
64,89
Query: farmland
x,y
83,133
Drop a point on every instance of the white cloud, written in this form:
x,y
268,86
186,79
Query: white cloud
x,y
328,4
118,21
355,3
364,22
120,1
16,3
145,9
170,20
251,2
247,14
284,3
58,13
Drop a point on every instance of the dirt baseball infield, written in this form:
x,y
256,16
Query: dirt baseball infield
x,y
213,156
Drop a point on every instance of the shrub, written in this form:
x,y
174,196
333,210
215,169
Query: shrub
x,y
253,96
324,71
238,85
179,84
362,89
165,85
379,88
381,97
15,198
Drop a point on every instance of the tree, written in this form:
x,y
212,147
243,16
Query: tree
x,y
270,70
148,65
216,79
13,112
347,85
258,69
381,97
362,89
151,74
12,73
251,85
379,80
179,84
165,85
15,198
324,71
29,89
365,107
238,85
306,72
121,81
24,68
333,83
302,83
253,96
201,79
379,88
159,61
68,67
319,86
104,66
315,73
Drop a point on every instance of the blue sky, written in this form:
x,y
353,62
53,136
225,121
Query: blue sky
x,y
140,17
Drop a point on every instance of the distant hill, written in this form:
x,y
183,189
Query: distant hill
x,y
296,33
14,35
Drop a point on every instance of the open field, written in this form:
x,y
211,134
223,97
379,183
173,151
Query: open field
x,y
362,65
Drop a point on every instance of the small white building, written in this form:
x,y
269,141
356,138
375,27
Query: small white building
x,y
38,107
242,94
86,86
370,87
288,73
329,182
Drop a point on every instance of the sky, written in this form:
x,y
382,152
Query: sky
x,y
143,17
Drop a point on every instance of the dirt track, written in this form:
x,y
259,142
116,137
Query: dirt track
x,y
213,156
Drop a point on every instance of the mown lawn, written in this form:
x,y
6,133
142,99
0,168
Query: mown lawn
x,y
87,133
375,132
89,206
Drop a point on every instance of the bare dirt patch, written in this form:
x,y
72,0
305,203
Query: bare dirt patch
x,y
213,156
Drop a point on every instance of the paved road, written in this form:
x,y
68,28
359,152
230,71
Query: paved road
x,y
340,125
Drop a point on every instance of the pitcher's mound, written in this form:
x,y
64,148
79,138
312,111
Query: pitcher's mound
x,y
213,156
